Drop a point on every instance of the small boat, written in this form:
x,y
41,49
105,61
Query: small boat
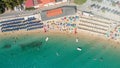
x,y
46,39
79,49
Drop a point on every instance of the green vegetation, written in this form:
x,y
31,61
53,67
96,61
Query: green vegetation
x,y
80,2
2,7
98,0
31,8
9,4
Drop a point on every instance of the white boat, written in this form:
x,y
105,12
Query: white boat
x,y
79,49
46,39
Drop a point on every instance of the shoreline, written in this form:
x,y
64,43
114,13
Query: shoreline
x,y
85,35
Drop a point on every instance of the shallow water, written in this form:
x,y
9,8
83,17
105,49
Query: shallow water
x,y
58,52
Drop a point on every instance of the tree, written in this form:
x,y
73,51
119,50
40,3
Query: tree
x,y
6,5
10,4
2,7
19,2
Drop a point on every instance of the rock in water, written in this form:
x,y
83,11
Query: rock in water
x,y
6,46
34,44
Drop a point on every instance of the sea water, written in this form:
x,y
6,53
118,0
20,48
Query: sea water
x,y
58,52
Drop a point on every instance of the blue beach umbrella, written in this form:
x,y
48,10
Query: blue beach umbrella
x,y
68,24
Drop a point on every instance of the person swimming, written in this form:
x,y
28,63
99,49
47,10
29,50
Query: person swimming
x,y
77,40
101,58
57,54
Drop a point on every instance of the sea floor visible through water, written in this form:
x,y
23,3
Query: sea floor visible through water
x,y
60,51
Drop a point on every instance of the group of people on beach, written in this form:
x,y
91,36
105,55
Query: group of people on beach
x,y
114,32
70,23
63,24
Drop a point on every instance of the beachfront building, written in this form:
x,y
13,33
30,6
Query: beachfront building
x,y
42,3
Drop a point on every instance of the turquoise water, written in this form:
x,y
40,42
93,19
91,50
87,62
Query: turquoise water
x,y
59,52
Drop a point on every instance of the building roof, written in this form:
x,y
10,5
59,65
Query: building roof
x,y
54,12
63,11
29,3
46,1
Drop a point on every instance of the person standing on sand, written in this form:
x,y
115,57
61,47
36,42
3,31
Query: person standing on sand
x,y
75,30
